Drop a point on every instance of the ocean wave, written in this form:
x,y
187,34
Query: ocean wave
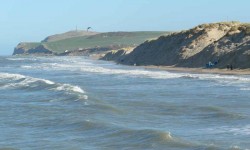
x,y
235,130
11,76
8,148
18,80
87,66
152,139
132,73
20,59
68,87
27,67
16,59
214,112
149,138
245,89
117,136
240,130
9,80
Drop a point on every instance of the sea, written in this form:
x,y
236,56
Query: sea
x,y
77,103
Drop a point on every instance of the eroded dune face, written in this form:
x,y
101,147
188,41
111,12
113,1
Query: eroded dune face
x,y
227,43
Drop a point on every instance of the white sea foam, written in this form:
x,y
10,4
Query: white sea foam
x,y
27,81
87,66
235,130
15,58
243,130
245,89
20,59
11,76
132,72
48,81
27,67
70,88
166,75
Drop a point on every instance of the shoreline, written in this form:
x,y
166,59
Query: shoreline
x,y
225,71
235,71
201,70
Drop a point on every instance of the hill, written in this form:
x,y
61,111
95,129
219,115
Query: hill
x,y
211,45
67,35
59,44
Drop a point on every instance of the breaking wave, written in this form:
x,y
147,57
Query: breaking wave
x,y
245,89
149,138
87,66
8,80
236,130
136,138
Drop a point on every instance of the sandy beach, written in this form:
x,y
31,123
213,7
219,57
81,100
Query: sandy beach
x,y
225,71
202,70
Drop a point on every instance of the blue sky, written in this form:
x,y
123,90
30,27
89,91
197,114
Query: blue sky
x,y
33,20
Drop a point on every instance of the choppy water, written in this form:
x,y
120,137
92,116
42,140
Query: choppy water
x,y
76,103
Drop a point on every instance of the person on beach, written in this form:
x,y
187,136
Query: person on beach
x,y
231,67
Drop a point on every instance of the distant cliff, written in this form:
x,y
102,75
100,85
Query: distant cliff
x,y
85,43
218,44
31,48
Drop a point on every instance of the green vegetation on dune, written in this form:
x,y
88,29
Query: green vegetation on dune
x,y
247,29
102,40
67,35
122,39
110,40
29,45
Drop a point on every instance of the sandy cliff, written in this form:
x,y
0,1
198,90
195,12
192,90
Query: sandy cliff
x,y
222,43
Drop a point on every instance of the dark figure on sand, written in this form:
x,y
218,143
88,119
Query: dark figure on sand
x,y
231,67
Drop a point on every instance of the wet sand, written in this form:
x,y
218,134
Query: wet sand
x,y
202,70
191,70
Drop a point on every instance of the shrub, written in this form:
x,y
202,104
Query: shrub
x,y
234,28
242,28
221,28
248,29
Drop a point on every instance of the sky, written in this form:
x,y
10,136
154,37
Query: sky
x,y
33,20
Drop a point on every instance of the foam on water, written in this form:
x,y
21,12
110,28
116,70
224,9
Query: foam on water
x,y
87,66
18,59
245,89
26,67
26,80
68,87
161,119
18,80
15,59
241,130
11,76
235,130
